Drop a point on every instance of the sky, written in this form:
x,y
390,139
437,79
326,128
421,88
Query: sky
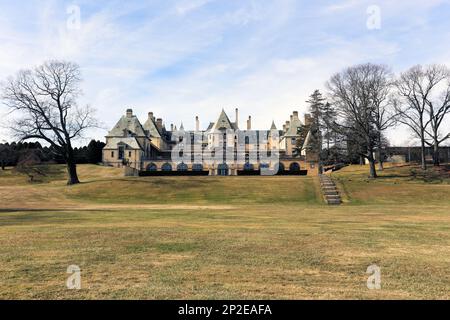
x,y
184,58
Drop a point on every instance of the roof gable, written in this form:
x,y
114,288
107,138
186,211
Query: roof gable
x,y
294,126
273,126
223,122
130,124
151,128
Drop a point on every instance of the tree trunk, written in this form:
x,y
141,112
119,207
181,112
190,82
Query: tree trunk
x,y
371,159
373,171
71,166
379,153
422,150
436,161
72,171
3,165
380,161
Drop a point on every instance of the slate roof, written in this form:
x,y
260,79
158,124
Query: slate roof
x,y
130,142
292,130
223,122
131,124
306,143
151,128
273,126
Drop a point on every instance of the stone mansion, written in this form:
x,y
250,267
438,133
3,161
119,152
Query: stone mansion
x,y
149,148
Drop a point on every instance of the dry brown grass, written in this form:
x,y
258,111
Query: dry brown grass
x,y
207,248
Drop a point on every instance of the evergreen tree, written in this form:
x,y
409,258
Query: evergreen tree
x,y
329,116
94,151
316,108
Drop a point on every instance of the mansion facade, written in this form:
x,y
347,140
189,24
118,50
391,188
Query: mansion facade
x,y
223,148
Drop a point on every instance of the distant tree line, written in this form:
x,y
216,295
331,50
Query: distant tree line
x,y
12,154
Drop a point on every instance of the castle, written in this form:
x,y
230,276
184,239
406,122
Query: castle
x,y
149,148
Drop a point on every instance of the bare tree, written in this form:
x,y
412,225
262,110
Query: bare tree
x,y
44,100
437,110
383,111
416,89
357,93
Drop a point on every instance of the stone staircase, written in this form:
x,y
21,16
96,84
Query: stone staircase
x,y
329,190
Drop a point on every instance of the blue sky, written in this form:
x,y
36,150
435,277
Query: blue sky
x,y
193,57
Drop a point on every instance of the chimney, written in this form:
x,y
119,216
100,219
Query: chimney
x,y
292,117
150,115
249,123
171,127
197,124
295,114
129,113
237,117
284,127
159,124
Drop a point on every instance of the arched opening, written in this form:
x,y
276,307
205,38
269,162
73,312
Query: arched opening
x,y
222,169
280,168
166,167
264,166
182,167
152,167
248,167
197,167
294,167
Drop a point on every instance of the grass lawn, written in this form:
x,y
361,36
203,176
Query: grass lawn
x,y
224,237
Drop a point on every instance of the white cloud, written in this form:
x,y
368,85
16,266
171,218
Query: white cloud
x,y
343,5
185,7
263,57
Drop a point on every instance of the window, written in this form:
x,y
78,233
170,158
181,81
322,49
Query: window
x,y
112,154
129,154
121,153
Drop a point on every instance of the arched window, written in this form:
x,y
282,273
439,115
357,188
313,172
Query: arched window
x,y
197,167
166,167
294,167
152,167
248,167
182,167
264,166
